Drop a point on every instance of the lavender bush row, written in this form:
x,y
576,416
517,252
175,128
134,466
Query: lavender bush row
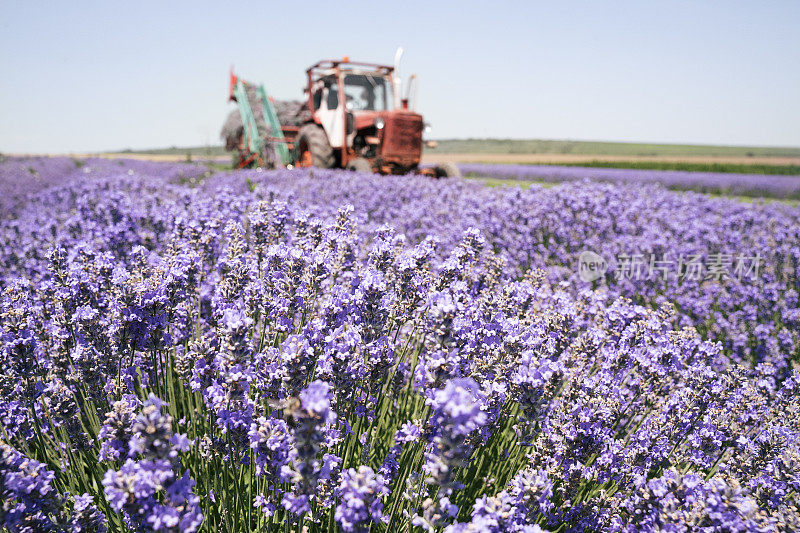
x,y
20,177
256,354
716,182
23,176
755,319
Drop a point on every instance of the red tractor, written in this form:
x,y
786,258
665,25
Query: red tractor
x,y
353,116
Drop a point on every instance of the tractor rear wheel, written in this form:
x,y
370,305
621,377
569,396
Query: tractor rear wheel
x,y
313,148
359,164
447,170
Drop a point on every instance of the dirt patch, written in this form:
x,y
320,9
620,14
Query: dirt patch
x,y
582,158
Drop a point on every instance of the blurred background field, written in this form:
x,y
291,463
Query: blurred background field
x,y
679,157
741,171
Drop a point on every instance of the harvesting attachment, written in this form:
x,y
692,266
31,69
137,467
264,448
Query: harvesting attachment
x,y
260,141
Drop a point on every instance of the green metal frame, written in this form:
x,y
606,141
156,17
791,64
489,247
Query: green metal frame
x,y
252,140
272,117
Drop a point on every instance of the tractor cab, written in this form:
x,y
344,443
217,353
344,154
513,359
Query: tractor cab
x,y
367,92
365,121
363,92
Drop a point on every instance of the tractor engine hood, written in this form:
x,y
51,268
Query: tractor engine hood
x,y
366,119
401,137
398,142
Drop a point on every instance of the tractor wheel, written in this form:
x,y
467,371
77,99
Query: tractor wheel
x,y
313,148
447,170
359,164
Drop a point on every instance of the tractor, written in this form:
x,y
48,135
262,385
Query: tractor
x,y
353,116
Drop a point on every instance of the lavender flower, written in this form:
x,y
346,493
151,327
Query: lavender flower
x,y
360,492
150,471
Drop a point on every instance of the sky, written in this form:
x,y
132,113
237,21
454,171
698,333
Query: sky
x,y
92,76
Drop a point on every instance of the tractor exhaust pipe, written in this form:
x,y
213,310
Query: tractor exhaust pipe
x,y
398,82
411,84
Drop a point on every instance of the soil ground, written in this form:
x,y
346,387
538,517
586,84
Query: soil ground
x,y
543,159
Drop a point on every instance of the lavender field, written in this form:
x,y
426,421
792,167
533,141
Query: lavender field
x,y
757,185
317,350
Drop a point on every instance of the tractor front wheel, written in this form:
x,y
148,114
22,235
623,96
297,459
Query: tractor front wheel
x,y
447,170
313,148
359,164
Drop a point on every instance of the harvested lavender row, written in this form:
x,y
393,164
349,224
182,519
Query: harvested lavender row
x,y
325,351
728,183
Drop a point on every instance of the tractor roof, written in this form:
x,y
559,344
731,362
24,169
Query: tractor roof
x,y
344,64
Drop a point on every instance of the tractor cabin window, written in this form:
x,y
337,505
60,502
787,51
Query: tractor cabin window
x,y
333,97
366,92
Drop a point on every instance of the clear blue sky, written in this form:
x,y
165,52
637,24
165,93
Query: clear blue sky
x,y
86,76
